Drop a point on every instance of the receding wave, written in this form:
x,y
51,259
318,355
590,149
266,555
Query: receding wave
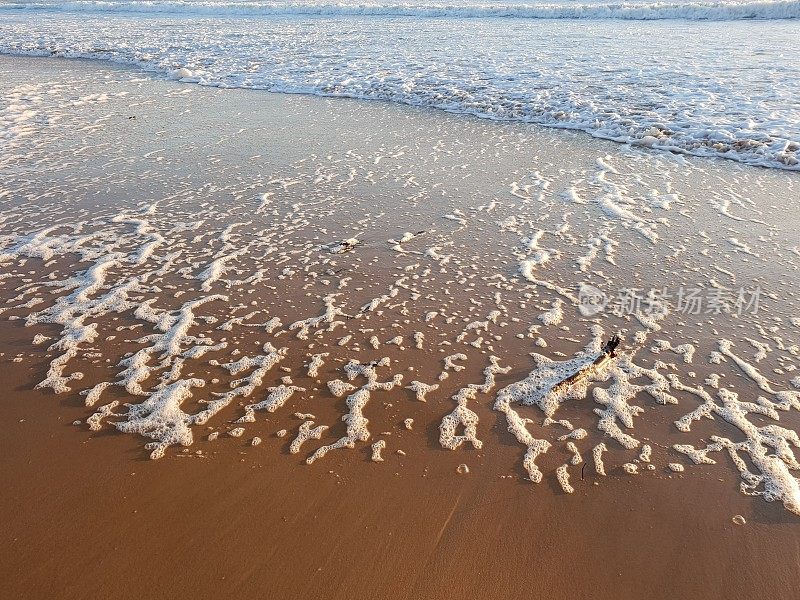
x,y
695,11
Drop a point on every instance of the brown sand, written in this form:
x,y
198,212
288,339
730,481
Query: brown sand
x,y
93,517
89,515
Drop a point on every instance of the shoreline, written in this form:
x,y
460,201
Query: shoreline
x,y
658,140
172,195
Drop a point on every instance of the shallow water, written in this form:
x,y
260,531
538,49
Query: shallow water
x,y
712,79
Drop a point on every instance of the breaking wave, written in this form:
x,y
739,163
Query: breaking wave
x,y
693,11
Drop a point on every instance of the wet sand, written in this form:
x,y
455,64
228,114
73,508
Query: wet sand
x,y
90,515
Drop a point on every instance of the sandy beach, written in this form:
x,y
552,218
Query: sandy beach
x,y
197,281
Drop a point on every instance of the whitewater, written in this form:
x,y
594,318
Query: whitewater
x,y
716,79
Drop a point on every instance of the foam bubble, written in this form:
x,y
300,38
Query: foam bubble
x,y
597,457
356,421
422,389
377,447
576,455
630,468
306,432
563,479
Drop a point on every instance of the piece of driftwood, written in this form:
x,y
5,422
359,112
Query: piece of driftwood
x,y
607,353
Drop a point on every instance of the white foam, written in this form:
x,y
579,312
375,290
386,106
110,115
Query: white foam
x,y
685,350
597,456
93,394
575,434
276,399
422,389
690,10
95,421
646,452
243,388
772,470
317,360
576,455
554,315
563,479
449,362
306,432
339,388
305,325
356,421
377,448
161,418
461,416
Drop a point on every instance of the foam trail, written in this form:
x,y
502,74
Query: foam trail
x,y
702,11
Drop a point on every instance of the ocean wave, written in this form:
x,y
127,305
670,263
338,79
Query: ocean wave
x,y
721,89
751,148
693,11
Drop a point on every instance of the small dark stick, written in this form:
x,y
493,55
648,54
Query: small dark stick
x,y
582,469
